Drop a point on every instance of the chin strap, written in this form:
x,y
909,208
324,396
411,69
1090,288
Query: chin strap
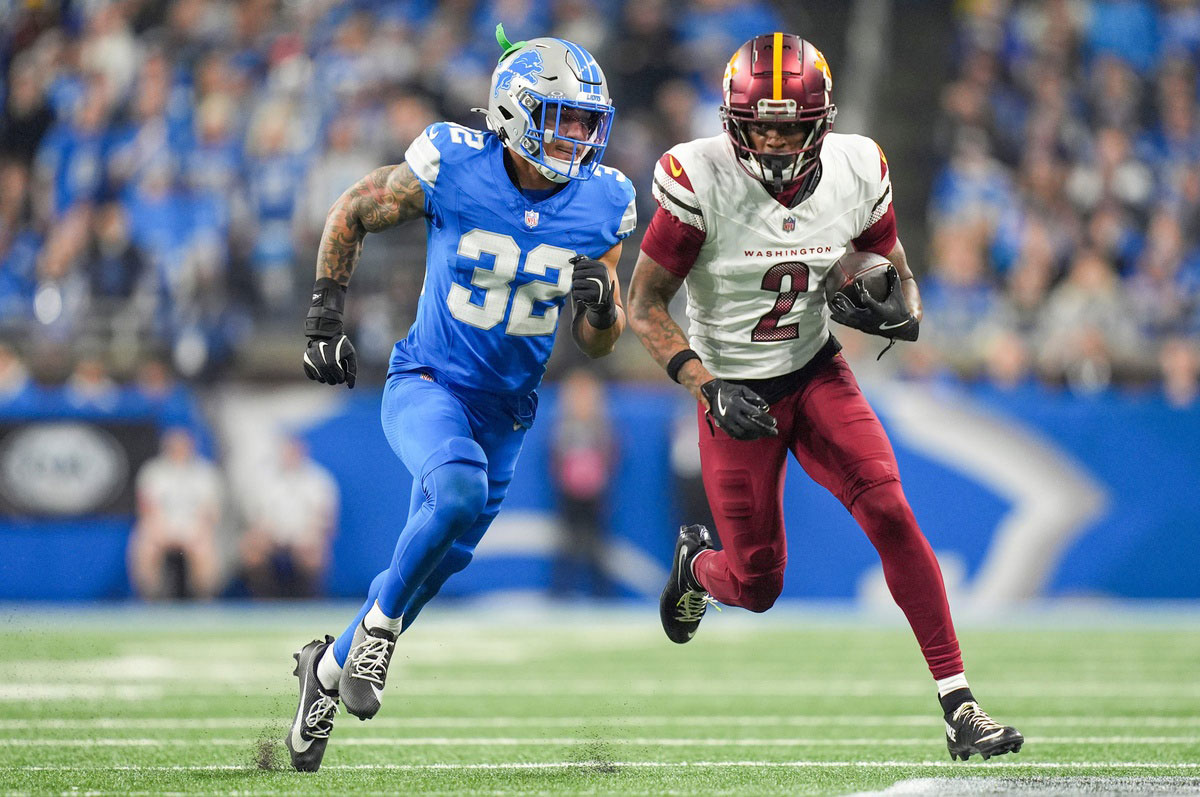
x,y
549,174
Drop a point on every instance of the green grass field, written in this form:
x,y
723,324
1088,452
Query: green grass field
x,y
540,702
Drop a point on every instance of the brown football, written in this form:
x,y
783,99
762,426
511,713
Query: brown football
x,y
867,268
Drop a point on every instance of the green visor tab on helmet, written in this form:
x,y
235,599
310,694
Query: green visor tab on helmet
x,y
504,43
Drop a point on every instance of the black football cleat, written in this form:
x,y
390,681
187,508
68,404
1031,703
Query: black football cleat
x,y
366,669
683,601
970,730
314,716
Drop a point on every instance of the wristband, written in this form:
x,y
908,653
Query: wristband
x,y
324,318
677,362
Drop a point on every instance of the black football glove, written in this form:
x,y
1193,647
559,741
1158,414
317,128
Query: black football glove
x,y
330,357
739,411
889,318
593,290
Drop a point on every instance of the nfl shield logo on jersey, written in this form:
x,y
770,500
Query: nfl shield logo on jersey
x,y
789,224
531,218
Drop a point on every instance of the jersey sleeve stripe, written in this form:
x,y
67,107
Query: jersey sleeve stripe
x,y
688,214
887,192
424,159
880,236
628,220
666,192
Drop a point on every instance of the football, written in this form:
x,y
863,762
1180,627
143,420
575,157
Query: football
x,y
867,268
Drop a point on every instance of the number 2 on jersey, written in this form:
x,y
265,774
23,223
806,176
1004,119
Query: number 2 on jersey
x,y
767,330
496,283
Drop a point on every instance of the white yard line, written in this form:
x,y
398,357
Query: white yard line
x,y
471,687
567,741
1055,765
743,720
1063,785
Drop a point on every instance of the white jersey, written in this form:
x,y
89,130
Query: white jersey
x,y
185,495
295,505
755,296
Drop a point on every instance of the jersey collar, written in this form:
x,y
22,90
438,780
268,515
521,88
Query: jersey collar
x,y
512,196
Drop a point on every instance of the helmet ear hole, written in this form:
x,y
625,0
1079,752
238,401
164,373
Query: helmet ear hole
x,y
507,114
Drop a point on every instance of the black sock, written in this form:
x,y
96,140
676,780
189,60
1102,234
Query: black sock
x,y
952,700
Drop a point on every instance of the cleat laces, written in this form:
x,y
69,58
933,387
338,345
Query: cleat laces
x,y
318,722
976,718
692,604
370,660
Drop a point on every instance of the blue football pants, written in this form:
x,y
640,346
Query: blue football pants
x,y
462,458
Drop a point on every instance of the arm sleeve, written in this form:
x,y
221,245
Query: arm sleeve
x,y
879,233
677,229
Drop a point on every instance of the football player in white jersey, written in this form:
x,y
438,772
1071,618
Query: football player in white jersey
x,y
751,221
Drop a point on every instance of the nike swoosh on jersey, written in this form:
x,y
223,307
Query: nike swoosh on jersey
x,y
299,743
676,169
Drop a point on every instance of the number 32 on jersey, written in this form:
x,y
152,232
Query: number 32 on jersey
x,y
496,283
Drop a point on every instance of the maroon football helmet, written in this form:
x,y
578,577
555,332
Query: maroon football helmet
x,y
778,79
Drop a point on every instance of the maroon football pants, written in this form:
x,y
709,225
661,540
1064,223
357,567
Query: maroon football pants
x,y
834,435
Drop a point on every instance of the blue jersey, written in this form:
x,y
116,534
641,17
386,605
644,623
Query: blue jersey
x,y
496,269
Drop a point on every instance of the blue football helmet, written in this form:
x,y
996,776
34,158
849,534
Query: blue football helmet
x,y
549,103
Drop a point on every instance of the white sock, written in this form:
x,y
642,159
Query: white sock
x,y
377,619
692,565
947,685
329,672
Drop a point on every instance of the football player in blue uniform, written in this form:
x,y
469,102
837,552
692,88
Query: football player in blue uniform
x,y
517,217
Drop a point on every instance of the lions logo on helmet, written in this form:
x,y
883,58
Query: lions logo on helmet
x,y
526,65
550,104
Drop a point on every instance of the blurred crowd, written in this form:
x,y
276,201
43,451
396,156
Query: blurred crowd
x,y
166,165
1065,221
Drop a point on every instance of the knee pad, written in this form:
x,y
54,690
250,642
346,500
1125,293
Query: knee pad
x,y
458,492
759,592
883,509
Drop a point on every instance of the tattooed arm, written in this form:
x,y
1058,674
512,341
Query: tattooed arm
x,y
650,292
384,198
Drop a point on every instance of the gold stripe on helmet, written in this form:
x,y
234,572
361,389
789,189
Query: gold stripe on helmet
x,y
777,71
